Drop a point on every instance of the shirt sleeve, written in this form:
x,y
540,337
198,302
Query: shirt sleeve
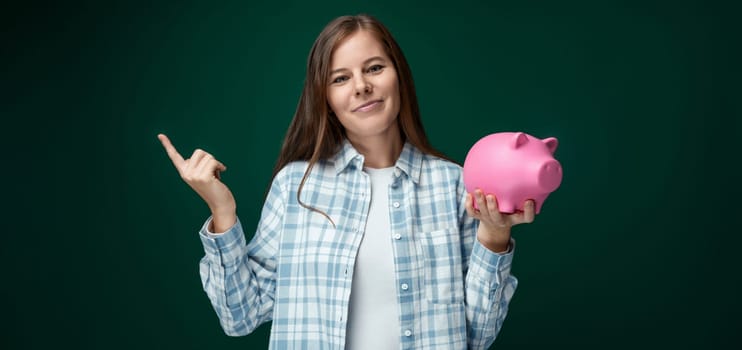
x,y
488,284
240,278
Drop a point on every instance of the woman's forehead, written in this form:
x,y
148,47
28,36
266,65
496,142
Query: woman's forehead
x,y
357,49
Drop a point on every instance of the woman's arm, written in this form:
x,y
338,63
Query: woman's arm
x,y
238,278
488,284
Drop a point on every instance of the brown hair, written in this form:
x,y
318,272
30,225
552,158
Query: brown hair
x,y
315,133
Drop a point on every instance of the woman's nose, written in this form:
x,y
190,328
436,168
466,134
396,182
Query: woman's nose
x,y
363,87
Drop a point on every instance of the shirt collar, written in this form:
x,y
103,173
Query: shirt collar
x,y
346,156
409,161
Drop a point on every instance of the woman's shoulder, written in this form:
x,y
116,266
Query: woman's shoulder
x,y
436,163
294,171
418,162
291,171
437,170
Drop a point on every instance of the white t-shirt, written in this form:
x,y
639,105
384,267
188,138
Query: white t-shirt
x,y
373,318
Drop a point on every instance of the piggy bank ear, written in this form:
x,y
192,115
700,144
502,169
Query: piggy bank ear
x,y
551,143
519,139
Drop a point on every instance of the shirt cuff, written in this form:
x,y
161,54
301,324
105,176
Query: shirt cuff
x,y
491,267
224,248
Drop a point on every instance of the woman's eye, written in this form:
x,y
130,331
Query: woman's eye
x,y
375,68
339,79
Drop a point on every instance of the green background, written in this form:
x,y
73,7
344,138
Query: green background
x,y
636,249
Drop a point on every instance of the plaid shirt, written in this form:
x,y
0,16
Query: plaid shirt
x,y
452,293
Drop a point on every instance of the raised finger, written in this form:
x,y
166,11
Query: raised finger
x,y
175,157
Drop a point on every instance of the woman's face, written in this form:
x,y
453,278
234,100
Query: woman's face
x,y
363,89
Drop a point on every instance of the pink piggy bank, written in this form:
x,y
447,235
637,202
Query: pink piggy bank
x,y
514,167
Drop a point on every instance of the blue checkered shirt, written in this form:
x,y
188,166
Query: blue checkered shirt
x,y
452,293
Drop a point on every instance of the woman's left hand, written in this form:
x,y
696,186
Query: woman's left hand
x,y
494,226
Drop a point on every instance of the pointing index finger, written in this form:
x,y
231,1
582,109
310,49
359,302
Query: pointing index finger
x,y
177,159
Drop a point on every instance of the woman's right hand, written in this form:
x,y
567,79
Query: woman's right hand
x,y
201,172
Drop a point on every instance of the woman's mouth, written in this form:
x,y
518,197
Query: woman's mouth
x,y
368,106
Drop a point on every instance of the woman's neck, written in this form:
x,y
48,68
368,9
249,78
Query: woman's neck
x,y
380,151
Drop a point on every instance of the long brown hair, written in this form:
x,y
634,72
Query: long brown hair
x,y
315,133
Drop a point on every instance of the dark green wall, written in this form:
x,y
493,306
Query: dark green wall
x,y
636,249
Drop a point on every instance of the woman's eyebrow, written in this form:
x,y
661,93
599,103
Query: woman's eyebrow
x,y
364,63
372,59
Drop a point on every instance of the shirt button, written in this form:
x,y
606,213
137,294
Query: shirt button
x,y
397,236
407,333
405,286
396,204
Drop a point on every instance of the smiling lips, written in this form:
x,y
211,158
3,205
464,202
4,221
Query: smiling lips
x,y
368,106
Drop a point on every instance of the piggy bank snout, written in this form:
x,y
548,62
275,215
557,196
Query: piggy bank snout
x,y
550,175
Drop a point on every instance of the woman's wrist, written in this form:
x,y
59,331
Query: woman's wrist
x,y
222,220
497,240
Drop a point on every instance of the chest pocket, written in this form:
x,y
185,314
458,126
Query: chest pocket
x,y
444,282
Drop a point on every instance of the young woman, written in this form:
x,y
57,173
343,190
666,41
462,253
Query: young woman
x,y
367,238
